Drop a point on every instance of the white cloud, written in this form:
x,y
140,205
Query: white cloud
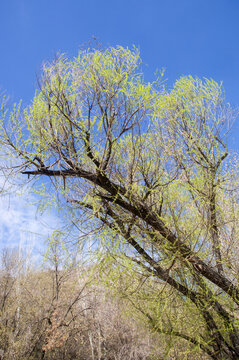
x,y
22,226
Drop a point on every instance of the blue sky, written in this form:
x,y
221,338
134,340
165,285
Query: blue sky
x,y
197,37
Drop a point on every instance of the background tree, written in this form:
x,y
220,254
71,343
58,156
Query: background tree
x,y
78,321
147,169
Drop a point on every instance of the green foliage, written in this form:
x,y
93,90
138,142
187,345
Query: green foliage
x,y
145,172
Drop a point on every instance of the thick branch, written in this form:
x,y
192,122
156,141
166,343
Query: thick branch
x,y
139,209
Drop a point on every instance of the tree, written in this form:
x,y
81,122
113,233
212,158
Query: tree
x,y
149,169
61,312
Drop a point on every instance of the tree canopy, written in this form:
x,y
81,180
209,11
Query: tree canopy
x,y
148,169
